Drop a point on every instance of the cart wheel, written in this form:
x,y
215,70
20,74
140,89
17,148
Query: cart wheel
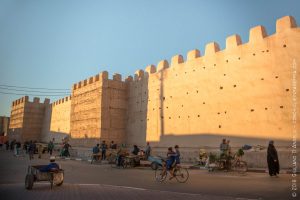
x,y
29,181
59,184
154,165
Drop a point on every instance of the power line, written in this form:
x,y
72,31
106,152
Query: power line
x,y
25,94
22,90
13,86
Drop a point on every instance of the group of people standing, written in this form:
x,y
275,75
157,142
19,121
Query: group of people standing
x,y
103,148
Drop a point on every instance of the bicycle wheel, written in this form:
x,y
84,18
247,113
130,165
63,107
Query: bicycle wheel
x,y
181,175
160,174
240,166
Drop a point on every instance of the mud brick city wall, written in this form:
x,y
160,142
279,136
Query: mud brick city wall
x,y
56,123
98,110
27,118
243,93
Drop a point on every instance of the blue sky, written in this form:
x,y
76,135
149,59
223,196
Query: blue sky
x,y
53,44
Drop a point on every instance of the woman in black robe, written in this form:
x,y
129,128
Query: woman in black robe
x,y
272,159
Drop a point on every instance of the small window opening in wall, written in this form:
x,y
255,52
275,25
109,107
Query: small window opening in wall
x,y
181,105
262,79
164,98
187,92
253,54
194,70
252,110
178,116
197,91
157,89
175,74
153,108
159,108
162,117
234,85
227,61
167,107
284,45
171,97
203,67
281,106
266,108
169,117
267,50
287,90
215,65
185,72
221,88
263,51
276,76
188,116
148,119
224,74
218,113
220,126
225,112
239,58
198,115
203,102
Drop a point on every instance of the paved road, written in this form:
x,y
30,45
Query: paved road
x,y
83,180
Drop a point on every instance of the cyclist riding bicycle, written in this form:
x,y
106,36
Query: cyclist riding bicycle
x,y
171,161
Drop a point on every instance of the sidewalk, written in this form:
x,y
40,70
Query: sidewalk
x,y
185,165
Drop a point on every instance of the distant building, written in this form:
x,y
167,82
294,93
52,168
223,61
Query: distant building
x,y
4,123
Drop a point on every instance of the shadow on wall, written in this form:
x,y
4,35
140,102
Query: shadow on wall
x,y
137,112
214,140
85,142
58,136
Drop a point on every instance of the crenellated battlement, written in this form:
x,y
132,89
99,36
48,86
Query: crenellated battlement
x,y
25,99
62,100
99,77
257,35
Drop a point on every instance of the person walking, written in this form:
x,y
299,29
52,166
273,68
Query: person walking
x,y
31,150
103,150
50,147
272,159
148,150
66,149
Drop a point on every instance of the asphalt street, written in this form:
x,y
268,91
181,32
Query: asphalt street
x,y
86,181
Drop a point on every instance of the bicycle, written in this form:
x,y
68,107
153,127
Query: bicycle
x,y
227,163
181,174
239,165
